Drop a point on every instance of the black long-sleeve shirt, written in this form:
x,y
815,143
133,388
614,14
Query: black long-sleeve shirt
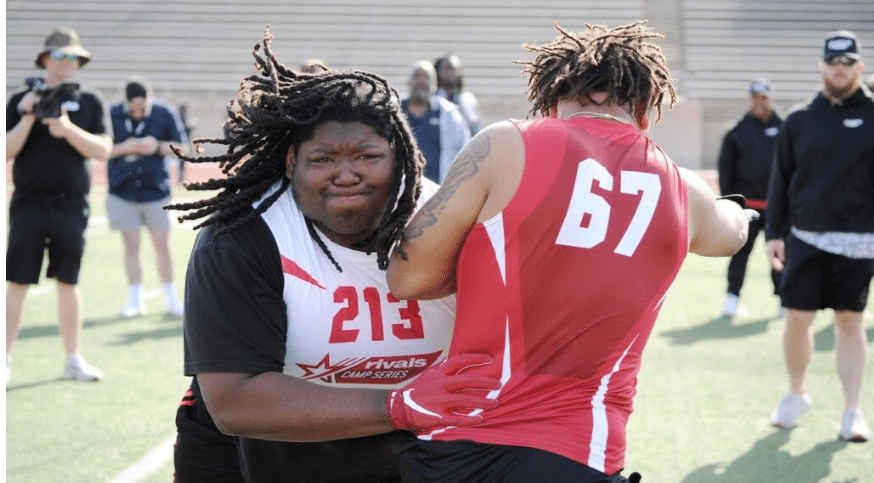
x,y
746,156
823,176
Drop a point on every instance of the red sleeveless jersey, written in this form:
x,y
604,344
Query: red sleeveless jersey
x,y
563,286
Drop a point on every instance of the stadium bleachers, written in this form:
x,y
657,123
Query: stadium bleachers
x,y
197,51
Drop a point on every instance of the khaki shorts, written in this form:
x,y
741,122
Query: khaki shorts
x,y
128,215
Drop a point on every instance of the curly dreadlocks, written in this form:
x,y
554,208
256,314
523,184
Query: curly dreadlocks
x,y
281,108
619,61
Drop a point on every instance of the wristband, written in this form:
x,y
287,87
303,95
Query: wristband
x,y
739,199
157,150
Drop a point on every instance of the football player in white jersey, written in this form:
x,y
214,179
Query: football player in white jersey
x,y
292,336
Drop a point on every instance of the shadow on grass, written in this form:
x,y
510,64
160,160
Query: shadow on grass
x,y
765,461
824,340
718,328
134,337
51,330
35,332
34,384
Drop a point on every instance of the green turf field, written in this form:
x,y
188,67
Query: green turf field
x,y
706,389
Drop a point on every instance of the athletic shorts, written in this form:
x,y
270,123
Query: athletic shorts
x,y
815,280
127,215
202,453
58,228
455,461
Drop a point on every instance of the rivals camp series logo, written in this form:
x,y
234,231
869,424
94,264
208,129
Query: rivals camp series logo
x,y
368,370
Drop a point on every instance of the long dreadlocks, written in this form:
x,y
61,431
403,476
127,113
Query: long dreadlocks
x,y
620,61
281,108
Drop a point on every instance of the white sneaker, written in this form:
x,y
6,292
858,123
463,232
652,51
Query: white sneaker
x,y
76,368
853,427
791,407
174,307
133,309
732,307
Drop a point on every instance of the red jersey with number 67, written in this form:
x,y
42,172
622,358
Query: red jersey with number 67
x,y
563,286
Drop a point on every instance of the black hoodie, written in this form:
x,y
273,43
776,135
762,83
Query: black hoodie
x,y
823,176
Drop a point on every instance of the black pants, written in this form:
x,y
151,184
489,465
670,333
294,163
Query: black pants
x,y
737,266
470,462
202,453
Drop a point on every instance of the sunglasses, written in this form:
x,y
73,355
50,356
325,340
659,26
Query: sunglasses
x,y
841,60
57,55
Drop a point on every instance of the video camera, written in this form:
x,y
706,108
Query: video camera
x,y
50,98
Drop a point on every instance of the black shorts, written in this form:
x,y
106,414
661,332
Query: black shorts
x,y
202,453
34,228
814,280
468,461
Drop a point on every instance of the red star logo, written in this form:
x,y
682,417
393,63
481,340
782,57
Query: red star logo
x,y
325,371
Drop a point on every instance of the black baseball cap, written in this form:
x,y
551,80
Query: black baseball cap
x,y
841,42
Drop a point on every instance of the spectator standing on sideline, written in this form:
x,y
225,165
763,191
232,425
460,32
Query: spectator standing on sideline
x,y
49,206
190,123
450,84
291,334
744,166
820,228
139,187
439,127
562,236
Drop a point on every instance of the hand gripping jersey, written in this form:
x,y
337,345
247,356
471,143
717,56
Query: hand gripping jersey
x,y
347,328
563,287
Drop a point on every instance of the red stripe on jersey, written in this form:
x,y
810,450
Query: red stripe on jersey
x,y
294,270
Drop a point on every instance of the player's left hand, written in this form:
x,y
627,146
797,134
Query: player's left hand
x,y
437,396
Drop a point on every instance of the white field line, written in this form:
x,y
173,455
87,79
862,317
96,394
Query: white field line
x,y
148,464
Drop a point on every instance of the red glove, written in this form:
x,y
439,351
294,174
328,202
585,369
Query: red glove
x,y
435,397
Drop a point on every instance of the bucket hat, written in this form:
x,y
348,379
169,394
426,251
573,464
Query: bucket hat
x,y
65,40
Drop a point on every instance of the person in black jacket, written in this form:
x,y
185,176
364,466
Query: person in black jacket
x,y
745,167
820,227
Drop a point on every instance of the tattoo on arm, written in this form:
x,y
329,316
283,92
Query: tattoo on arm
x,y
464,168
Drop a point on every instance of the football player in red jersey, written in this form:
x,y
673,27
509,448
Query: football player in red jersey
x,y
560,237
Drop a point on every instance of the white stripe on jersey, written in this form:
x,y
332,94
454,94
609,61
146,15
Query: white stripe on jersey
x,y
495,228
600,429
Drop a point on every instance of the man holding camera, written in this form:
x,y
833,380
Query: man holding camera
x,y
53,127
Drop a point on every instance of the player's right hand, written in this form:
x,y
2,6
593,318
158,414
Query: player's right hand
x,y
441,396
776,251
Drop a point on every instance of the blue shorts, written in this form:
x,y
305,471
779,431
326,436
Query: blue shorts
x,y
814,280
35,228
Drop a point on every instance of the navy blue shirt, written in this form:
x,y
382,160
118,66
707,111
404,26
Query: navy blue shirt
x,y
143,178
426,130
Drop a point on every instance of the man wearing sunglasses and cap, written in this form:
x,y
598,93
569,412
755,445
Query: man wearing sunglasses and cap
x,y
820,228
49,206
